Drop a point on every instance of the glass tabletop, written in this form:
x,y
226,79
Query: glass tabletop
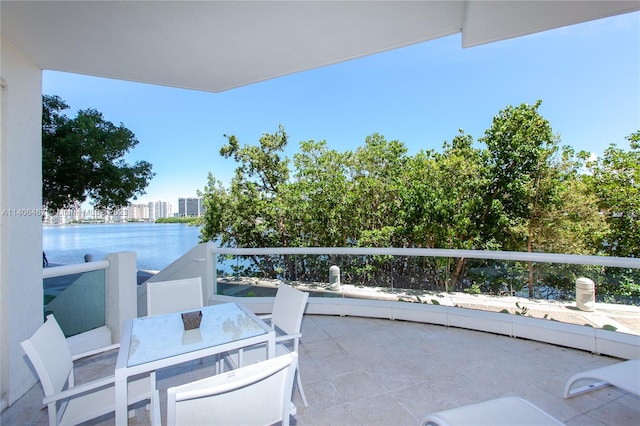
x,y
162,336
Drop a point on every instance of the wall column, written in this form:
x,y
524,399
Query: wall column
x,y
21,295
121,291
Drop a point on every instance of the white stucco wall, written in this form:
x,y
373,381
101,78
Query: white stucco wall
x,y
20,220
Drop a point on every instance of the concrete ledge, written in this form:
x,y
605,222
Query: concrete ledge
x,y
555,332
325,306
368,308
473,319
418,312
604,342
624,345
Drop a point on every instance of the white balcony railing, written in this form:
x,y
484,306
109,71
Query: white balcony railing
x,y
619,262
495,267
123,296
92,300
360,301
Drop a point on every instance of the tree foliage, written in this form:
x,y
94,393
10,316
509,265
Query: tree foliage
x,y
320,197
82,157
520,144
615,180
514,189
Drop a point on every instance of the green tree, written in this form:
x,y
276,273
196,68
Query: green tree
x,y
216,202
442,203
320,197
522,192
83,157
520,145
571,222
615,179
375,175
418,192
258,219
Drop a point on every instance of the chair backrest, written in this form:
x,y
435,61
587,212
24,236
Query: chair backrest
x,y
49,353
288,309
258,394
164,297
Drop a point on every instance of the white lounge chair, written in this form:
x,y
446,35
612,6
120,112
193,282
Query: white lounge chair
x,y
624,375
71,404
258,394
507,411
164,297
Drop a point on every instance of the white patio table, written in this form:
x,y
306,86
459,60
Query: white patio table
x,y
151,343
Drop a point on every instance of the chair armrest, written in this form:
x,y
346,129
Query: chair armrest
x,y
95,351
286,337
80,389
267,319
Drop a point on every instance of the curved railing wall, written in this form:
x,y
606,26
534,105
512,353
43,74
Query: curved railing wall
x,y
596,340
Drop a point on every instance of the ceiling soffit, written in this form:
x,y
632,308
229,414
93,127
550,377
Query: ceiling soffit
x,y
218,45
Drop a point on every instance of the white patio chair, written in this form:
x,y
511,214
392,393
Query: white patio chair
x,y
67,403
507,411
258,394
286,319
164,297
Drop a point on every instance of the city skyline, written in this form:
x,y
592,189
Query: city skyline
x,y
145,211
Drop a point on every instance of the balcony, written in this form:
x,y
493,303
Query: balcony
x,y
381,372
381,361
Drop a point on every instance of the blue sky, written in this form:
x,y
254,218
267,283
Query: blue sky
x,y
587,76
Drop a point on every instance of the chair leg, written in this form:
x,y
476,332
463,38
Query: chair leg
x,y
220,364
299,383
155,409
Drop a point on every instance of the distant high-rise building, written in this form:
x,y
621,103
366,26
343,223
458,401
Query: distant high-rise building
x,y
191,206
138,212
67,215
120,214
159,209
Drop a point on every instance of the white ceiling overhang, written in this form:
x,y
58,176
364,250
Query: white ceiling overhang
x,y
219,45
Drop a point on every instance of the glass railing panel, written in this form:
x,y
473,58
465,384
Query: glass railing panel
x,y
238,276
548,281
76,300
259,275
443,280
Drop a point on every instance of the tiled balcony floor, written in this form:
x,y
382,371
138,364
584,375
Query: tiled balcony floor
x,y
380,372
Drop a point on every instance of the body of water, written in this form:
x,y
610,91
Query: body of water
x,y
156,245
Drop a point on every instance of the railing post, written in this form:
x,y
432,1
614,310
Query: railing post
x,y
121,293
212,270
334,278
585,294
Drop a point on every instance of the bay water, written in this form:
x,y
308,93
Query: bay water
x,y
156,245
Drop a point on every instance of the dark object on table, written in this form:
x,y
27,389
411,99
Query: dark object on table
x,y
191,320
